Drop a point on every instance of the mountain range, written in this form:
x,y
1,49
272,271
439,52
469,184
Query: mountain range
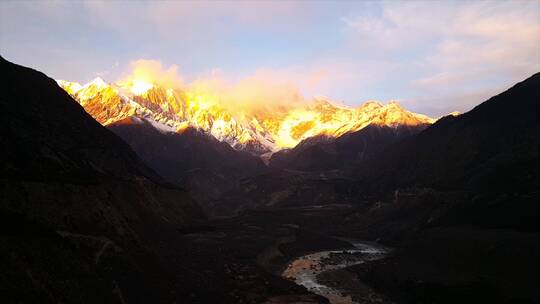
x,y
257,129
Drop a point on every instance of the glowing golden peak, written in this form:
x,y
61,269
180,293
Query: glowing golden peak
x,y
136,86
140,87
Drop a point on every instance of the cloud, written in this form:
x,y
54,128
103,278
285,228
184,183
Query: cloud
x,y
197,23
153,71
453,50
261,90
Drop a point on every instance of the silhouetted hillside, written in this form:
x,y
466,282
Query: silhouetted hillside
x,y
491,152
78,207
192,159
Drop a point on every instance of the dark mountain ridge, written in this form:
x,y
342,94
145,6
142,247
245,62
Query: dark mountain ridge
x,y
52,137
464,151
76,202
327,153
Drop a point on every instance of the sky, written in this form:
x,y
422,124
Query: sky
x,y
434,57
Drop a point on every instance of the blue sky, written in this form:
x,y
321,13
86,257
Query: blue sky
x,y
432,56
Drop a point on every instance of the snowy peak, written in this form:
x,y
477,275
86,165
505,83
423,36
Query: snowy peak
x,y
370,105
393,114
70,87
98,82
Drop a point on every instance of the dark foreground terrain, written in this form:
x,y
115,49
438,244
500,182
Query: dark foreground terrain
x,y
84,219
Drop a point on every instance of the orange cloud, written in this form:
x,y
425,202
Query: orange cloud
x,y
152,71
269,89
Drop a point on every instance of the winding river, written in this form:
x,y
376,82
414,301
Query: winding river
x,y
308,269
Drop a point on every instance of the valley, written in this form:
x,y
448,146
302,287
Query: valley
x,y
107,198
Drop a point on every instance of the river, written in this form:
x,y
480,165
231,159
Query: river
x,y
323,273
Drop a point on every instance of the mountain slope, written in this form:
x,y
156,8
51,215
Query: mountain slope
x,y
79,210
197,161
492,150
173,154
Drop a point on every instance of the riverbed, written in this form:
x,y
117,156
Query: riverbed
x,y
324,273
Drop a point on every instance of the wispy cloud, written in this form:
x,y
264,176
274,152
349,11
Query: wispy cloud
x,y
456,49
433,55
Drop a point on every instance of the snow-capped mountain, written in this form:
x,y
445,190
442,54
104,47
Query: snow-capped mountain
x,y
258,130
